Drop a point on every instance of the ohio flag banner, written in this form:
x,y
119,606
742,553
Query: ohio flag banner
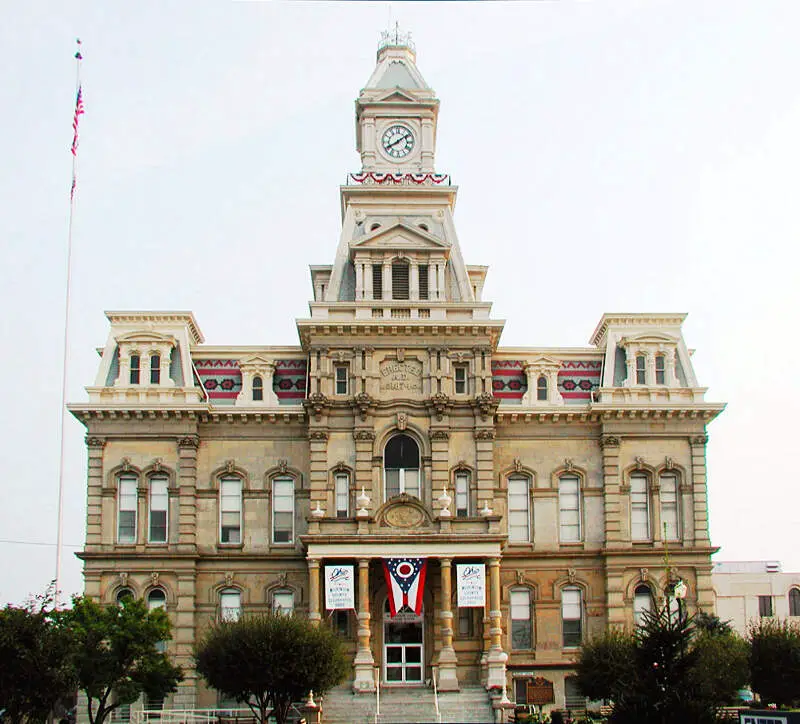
x,y
405,579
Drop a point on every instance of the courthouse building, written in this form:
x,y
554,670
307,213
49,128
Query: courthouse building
x,y
225,480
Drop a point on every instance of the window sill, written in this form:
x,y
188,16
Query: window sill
x,y
230,546
578,545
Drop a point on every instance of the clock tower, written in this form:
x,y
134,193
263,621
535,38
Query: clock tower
x,y
396,112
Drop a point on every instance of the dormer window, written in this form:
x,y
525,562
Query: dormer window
x,y
640,369
155,369
135,369
661,370
541,389
258,389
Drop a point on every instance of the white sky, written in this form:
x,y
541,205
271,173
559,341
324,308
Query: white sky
x,y
611,156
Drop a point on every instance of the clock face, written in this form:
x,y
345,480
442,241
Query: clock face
x,y
397,141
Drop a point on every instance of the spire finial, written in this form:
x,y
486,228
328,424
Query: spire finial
x,y
393,37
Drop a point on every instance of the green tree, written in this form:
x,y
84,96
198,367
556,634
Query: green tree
x,y
116,657
268,661
775,660
35,661
669,671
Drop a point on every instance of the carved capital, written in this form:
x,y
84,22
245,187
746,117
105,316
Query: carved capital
x,y
190,441
316,404
439,435
608,441
439,402
95,443
698,439
362,402
484,434
364,435
320,435
485,404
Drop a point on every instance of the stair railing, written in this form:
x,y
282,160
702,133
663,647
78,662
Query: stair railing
x,y
377,694
436,697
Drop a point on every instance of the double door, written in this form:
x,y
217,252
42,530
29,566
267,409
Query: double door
x,y
403,649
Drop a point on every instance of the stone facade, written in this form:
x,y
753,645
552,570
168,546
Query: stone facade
x,y
229,477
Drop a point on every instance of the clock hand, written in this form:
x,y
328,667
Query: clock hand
x,y
402,138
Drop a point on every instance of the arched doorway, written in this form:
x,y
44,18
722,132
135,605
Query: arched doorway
x,y
401,467
403,646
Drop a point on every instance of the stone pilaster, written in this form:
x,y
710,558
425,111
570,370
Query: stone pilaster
x,y
447,660
699,491
484,472
363,473
496,658
313,592
440,463
318,471
364,661
613,511
187,484
94,492
184,639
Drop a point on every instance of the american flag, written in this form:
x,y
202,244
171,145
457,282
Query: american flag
x,y
405,579
75,120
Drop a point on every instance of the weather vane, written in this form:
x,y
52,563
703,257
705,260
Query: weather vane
x,y
393,37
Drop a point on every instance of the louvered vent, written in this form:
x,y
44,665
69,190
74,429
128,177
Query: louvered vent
x,y
377,281
423,281
399,281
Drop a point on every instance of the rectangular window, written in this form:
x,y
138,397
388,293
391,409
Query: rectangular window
x,y
571,616
128,496
423,281
462,495
466,626
518,509
661,370
155,369
283,603
342,373
569,504
521,691
400,280
230,505
377,281
342,484
159,506
669,506
135,363
640,510
460,372
282,510
765,606
340,622
640,369
521,620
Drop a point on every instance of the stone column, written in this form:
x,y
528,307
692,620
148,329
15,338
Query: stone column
x,y
94,490
496,659
387,280
699,491
187,485
630,364
363,664
447,661
313,592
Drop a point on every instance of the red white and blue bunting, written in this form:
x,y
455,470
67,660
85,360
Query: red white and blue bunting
x,y
405,579
399,178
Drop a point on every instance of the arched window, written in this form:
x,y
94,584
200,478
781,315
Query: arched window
x,y
124,594
670,522
794,602
230,604
521,628
159,509
157,599
519,516
135,368
640,369
401,467
569,505
258,389
571,616
155,369
640,507
541,389
283,509
462,493
661,370
230,509
283,603
375,226
341,483
127,498
642,603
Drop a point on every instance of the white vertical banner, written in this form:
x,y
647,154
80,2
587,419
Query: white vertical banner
x,y
340,591
471,585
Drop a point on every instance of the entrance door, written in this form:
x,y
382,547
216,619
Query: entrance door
x,y
402,647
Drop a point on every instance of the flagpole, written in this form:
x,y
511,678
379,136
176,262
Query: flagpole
x,y
68,285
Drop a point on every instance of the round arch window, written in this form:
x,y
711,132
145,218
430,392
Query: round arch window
x,y
401,467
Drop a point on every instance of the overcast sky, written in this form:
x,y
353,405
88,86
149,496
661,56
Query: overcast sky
x,y
617,156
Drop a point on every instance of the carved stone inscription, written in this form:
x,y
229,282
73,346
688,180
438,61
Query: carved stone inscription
x,y
401,377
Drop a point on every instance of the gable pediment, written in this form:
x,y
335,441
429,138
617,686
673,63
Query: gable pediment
x,y
254,360
146,337
397,95
649,338
400,237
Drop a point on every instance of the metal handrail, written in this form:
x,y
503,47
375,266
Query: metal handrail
x,y
377,694
436,697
